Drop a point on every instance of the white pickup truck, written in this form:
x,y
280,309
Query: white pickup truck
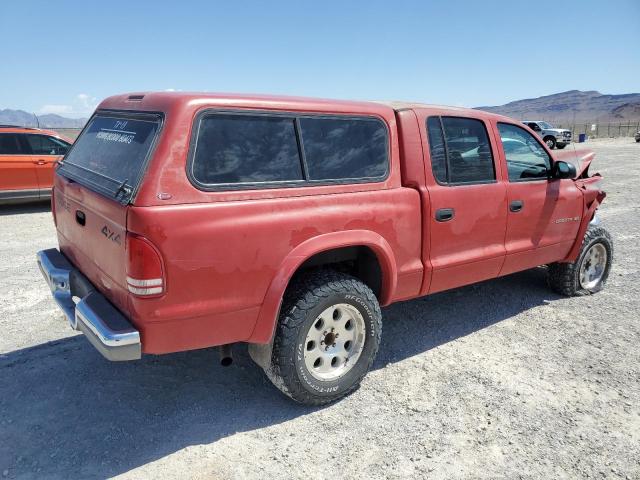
x,y
553,137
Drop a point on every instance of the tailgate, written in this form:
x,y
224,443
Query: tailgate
x,y
94,184
91,233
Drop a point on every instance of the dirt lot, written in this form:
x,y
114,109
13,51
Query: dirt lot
x,y
499,380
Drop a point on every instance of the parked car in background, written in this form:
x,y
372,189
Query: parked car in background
x,y
637,136
27,160
188,221
553,137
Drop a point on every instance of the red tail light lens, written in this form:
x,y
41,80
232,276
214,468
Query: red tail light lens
x,y
53,206
145,274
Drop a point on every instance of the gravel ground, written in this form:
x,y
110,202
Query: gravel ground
x,y
498,380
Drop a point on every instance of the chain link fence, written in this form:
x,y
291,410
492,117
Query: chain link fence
x,y
601,130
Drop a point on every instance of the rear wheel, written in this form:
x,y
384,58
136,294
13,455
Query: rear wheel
x,y
327,337
560,146
551,142
589,273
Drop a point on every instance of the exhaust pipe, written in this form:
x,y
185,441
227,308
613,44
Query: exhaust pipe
x,y
226,358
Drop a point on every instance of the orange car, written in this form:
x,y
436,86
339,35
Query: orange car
x,y
27,160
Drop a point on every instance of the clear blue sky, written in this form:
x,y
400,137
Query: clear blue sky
x,y
65,56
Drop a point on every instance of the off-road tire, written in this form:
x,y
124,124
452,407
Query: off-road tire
x,y
305,299
552,140
564,278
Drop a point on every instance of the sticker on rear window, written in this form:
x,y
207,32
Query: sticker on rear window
x,y
110,154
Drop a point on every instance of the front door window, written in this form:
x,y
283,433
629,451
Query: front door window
x,y
526,159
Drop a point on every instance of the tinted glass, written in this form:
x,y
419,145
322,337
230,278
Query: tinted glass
x,y
9,144
436,147
344,148
526,159
110,154
246,149
43,145
469,151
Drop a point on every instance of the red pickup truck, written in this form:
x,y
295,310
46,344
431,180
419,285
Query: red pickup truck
x,y
187,221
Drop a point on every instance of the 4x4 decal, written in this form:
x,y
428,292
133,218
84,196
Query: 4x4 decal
x,y
111,235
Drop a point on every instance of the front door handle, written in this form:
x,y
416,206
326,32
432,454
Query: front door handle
x,y
445,214
39,162
516,205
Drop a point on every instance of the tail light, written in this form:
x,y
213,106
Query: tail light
x,y
145,275
53,206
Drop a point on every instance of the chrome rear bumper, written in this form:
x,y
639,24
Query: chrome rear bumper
x,y
88,310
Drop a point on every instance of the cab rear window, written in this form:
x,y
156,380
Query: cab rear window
x,y
111,153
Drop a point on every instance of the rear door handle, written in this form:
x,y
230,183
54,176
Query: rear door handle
x,y
445,214
516,205
39,162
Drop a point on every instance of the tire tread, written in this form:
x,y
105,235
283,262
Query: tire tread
x,y
302,295
562,277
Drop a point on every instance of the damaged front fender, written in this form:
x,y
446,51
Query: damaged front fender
x,y
581,159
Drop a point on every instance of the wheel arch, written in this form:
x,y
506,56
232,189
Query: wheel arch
x,y
268,315
588,215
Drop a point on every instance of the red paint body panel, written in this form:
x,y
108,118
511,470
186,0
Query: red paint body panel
x,y
551,216
469,248
222,257
228,256
102,261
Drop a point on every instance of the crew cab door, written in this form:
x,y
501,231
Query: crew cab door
x,y
544,214
467,216
45,152
17,171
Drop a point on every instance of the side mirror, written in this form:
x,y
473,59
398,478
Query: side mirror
x,y
562,169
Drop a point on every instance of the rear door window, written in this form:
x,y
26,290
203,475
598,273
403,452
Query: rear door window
x,y
43,145
437,149
111,153
460,151
10,144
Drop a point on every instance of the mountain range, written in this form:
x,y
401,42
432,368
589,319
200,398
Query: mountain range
x,y
573,106
49,120
565,107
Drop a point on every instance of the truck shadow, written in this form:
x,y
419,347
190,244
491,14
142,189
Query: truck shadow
x,y
37,206
65,410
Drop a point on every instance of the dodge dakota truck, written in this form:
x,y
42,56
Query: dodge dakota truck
x,y
187,221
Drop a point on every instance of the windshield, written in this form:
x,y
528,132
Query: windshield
x,y
545,125
111,153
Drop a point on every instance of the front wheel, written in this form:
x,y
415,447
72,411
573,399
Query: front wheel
x,y
551,142
589,273
327,337
560,146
